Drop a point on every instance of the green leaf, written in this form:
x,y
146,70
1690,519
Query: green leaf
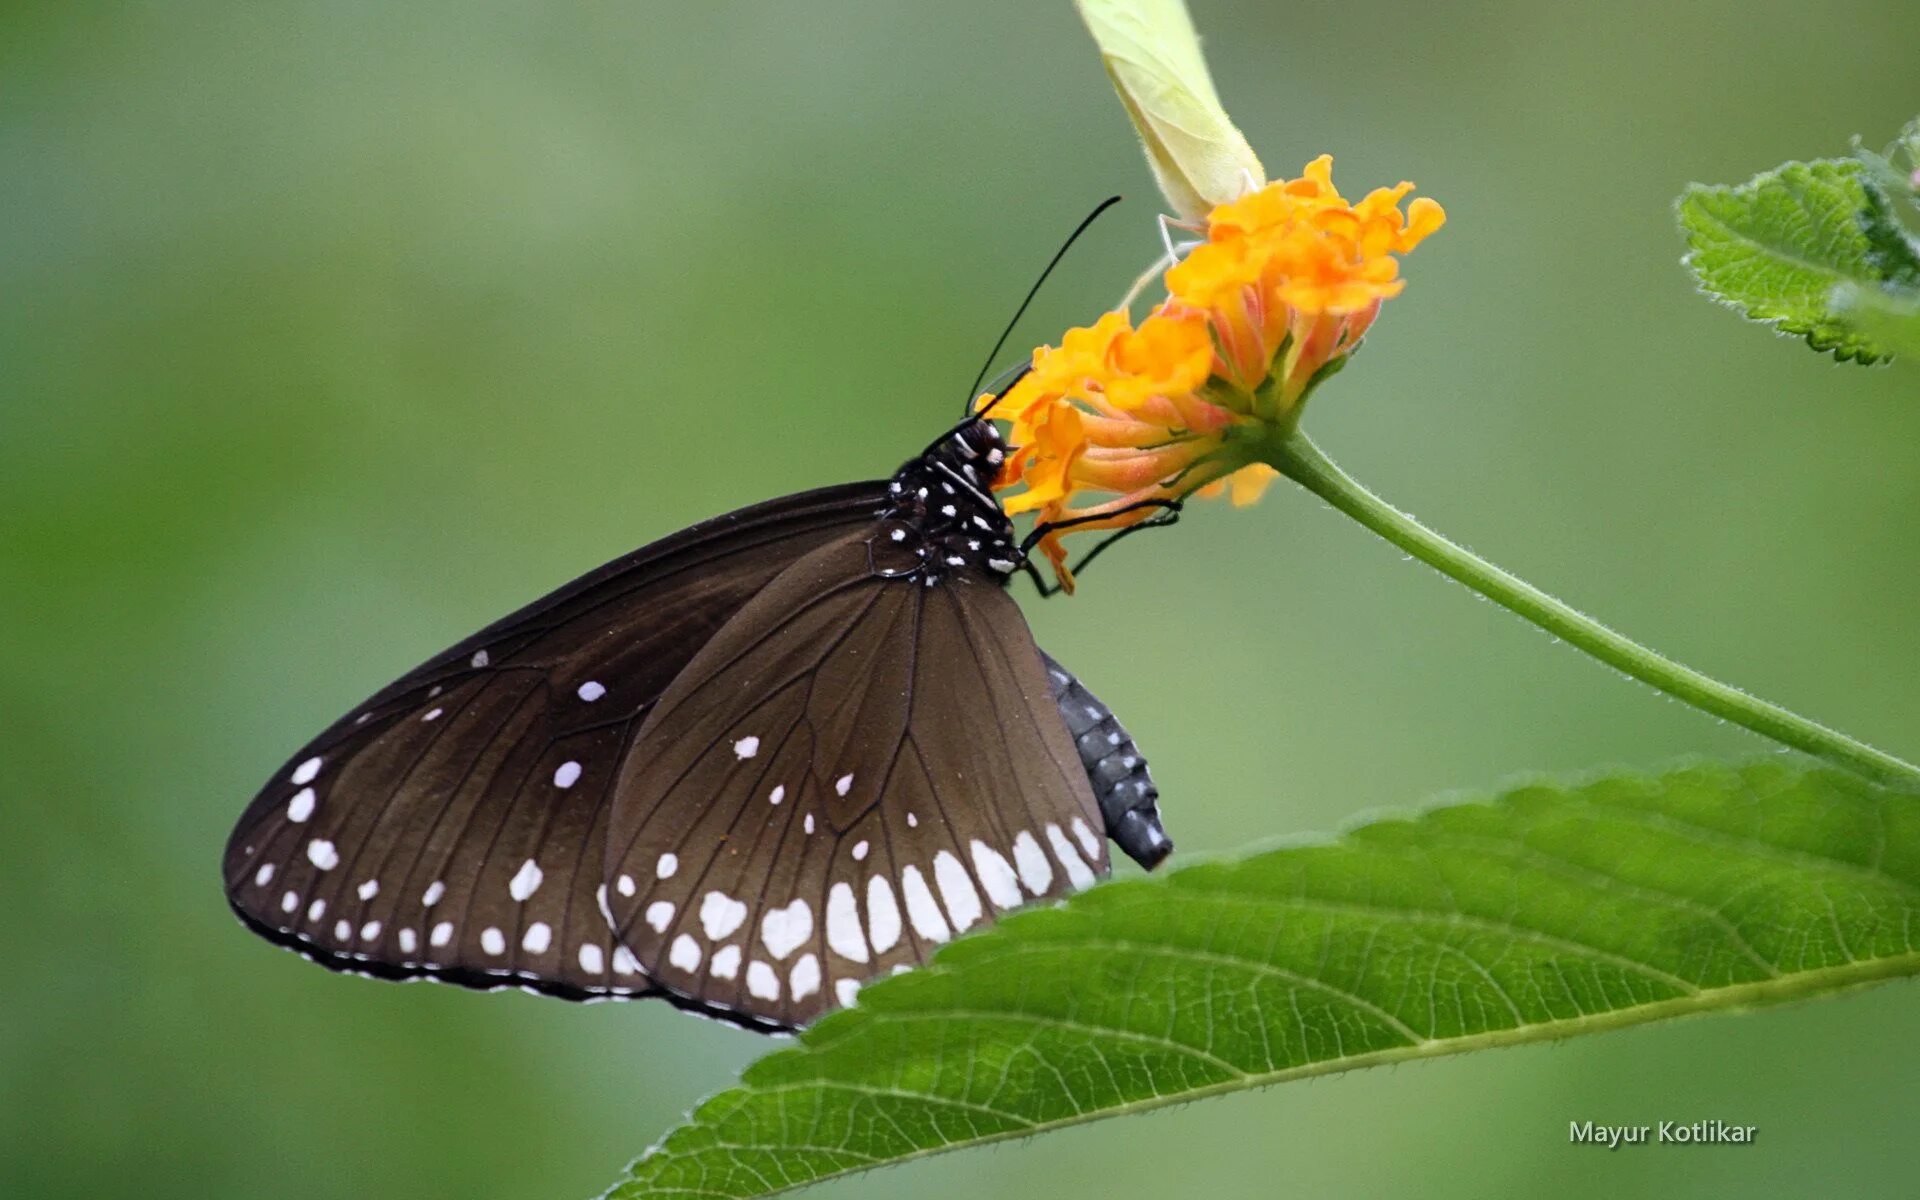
x,y
1892,319
1546,912
1778,246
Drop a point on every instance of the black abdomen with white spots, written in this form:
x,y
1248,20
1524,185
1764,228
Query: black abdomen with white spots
x,y
942,515
1116,770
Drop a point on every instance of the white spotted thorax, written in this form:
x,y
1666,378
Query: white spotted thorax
x,y
942,515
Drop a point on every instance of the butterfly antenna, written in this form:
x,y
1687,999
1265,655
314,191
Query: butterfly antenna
x,y
1033,291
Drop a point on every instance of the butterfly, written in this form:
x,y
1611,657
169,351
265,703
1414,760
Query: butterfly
x,y
746,768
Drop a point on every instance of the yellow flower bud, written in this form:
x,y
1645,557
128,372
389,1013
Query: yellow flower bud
x,y
1153,57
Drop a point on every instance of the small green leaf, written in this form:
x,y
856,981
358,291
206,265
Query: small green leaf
x,y
1892,319
1547,912
1778,245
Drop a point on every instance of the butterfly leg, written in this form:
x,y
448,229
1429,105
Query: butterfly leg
x,y
1169,514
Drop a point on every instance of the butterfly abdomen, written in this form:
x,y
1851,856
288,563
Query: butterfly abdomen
x,y
1116,770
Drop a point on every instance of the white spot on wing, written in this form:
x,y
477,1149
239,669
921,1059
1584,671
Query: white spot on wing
x,y
342,930
685,953
805,979
566,774
537,938
783,929
726,962
762,982
321,853
660,915
493,941
843,924
625,884
746,747
843,785
409,941
479,659
590,691
525,881
778,794
289,902
1077,873
996,875
301,806
442,934
433,714
956,888
1035,871
305,772
1088,840
368,890
432,895
808,823
921,909
316,910
624,962
883,914
263,876
844,990
720,915
593,960
668,864
860,850
370,931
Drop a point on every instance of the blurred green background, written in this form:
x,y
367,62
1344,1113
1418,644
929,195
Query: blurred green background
x,y
330,332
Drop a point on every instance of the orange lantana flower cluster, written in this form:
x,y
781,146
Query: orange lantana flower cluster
x,y
1286,282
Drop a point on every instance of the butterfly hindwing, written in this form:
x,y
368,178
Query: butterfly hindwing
x,y
850,772
453,827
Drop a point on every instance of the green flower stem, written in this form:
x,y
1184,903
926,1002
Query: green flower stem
x,y
1299,459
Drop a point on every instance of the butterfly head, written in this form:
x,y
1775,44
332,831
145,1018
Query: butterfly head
x,y
942,516
978,447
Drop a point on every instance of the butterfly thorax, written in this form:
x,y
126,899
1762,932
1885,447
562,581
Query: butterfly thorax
x,y
942,517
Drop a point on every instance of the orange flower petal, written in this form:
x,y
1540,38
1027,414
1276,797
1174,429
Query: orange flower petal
x,y
1288,280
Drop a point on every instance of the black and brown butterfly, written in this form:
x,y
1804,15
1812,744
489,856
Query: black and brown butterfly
x,y
746,768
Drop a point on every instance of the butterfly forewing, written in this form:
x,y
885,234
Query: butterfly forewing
x,y
852,771
454,826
